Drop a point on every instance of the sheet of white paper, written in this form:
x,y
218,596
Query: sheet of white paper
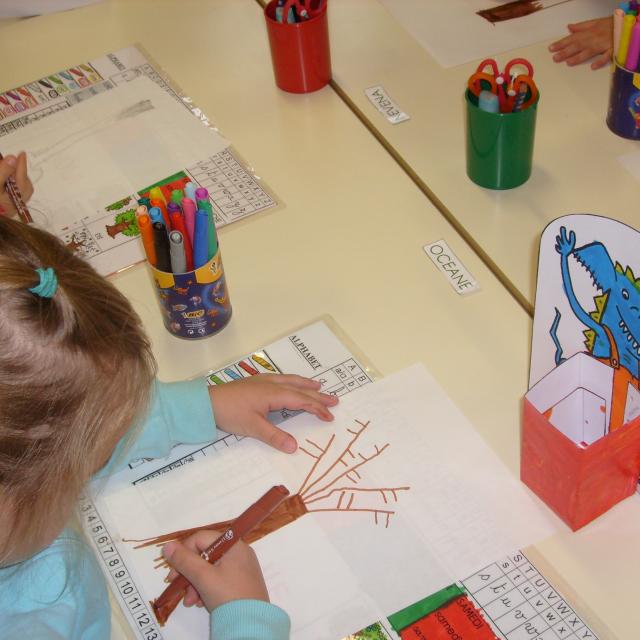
x,y
22,8
417,500
118,142
452,32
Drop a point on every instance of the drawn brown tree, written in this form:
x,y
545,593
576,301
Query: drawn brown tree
x,y
334,489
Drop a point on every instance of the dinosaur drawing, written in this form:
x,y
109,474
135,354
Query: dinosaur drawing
x,y
612,333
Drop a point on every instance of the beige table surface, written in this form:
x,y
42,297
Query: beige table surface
x,y
347,242
575,168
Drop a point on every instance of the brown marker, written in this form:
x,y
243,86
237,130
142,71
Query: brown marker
x,y
246,521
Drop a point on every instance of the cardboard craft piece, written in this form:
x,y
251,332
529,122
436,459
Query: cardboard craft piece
x,y
580,449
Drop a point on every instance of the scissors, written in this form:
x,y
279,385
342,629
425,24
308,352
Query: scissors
x,y
510,76
502,83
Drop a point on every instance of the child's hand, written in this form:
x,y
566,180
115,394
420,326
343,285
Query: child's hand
x,y
593,38
241,406
237,576
16,167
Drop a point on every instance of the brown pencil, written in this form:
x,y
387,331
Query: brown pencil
x,y
16,198
246,521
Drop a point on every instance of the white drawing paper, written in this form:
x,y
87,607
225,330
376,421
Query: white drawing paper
x,y
114,144
417,500
453,33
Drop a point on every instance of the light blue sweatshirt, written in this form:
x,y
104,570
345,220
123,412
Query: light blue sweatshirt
x,y
60,594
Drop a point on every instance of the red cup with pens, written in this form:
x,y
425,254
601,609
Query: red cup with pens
x,y
299,40
177,228
501,109
623,113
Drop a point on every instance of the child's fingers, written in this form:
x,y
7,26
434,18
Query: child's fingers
x,y
7,169
22,179
582,26
561,44
294,380
310,401
602,60
261,429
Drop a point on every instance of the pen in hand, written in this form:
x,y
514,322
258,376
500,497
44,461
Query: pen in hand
x,y
16,198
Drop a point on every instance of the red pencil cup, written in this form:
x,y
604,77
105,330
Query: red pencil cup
x,y
300,51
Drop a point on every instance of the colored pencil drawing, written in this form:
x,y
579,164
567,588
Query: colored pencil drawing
x,y
334,483
612,333
518,9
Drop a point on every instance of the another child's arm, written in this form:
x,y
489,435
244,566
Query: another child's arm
x,y
589,39
232,590
15,167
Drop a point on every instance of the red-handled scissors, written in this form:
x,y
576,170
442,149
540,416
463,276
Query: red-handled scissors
x,y
523,86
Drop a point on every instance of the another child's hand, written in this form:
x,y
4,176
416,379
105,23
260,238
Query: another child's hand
x,y
237,576
590,39
241,406
16,167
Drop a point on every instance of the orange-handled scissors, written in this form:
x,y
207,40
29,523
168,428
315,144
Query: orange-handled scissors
x,y
476,80
510,75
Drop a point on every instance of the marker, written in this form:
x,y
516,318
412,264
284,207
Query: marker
x,y
189,212
244,524
142,211
144,201
178,257
155,193
200,239
161,244
146,233
625,37
202,198
156,215
190,190
634,48
156,202
618,16
176,196
177,223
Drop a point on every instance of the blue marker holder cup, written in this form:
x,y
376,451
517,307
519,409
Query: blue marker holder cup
x,y
623,114
194,304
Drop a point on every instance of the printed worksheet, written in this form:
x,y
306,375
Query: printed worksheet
x,y
101,134
399,475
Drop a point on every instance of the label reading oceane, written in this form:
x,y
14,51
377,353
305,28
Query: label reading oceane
x,y
448,264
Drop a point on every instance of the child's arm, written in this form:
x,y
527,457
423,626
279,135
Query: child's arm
x,y
232,590
590,39
15,167
183,413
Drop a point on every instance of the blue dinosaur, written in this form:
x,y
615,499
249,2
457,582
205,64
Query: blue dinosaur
x,y
616,324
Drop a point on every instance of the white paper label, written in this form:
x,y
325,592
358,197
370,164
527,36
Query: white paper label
x,y
448,264
381,100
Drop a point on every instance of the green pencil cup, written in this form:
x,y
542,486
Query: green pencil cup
x,y
499,145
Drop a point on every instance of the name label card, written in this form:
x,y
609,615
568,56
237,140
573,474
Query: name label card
x,y
381,100
448,264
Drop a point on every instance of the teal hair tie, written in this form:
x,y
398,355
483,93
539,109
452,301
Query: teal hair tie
x,y
48,284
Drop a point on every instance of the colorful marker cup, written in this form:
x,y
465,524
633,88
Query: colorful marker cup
x,y
300,51
499,145
623,114
194,304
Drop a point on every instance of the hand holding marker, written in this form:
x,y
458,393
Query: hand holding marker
x,y
503,92
180,235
